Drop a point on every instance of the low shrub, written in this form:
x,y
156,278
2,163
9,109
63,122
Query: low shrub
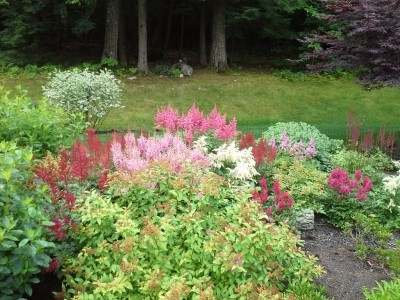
x,y
166,70
38,125
304,181
24,206
169,235
93,94
303,132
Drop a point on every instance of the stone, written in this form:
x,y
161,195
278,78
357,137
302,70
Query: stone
x,y
305,219
132,78
185,69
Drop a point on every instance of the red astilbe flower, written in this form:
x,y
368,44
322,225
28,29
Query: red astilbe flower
x,y
262,151
281,201
359,187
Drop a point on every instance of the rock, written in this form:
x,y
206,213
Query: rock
x,y
132,78
185,69
305,219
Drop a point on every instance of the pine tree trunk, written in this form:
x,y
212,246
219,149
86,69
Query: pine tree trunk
x,y
122,39
142,27
218,57
203,49
110,49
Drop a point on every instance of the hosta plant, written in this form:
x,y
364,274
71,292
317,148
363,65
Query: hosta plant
x,y
91,93
24,245
187,235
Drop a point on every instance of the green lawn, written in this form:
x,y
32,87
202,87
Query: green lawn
x,y
257,99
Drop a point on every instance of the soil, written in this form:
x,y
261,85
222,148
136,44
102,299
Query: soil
x,y
346,275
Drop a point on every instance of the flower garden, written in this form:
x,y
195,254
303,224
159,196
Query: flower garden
x,y
196,210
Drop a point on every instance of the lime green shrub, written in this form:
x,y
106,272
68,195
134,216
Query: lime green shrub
x,y
24,249
94,94
303,181
187,235
38,125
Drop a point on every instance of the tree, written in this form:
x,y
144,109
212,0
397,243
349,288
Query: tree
x,y
110,49
218,57
142,31
369,41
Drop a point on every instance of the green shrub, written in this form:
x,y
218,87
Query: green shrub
x,y
166,71
385,290
371,164
180,236
94,94
23,246
37,125
303,181
300,131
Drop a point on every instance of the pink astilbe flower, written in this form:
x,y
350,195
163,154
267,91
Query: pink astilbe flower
x,y
167,118
137,154
299,149
359,187
194,122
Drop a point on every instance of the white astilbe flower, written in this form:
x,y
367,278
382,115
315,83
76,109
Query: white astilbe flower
x,y
201,144
237,164
392,183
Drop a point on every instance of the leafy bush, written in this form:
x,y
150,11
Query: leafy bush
x,y
37,125
177,236
385,290
300,131
304,182
371,164
24,249
94,94
167,71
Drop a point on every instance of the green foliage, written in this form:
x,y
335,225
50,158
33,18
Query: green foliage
x,y
167,71
300,131
37,125
385,290
94,94
23,246
371,164
180,236
372,241
303,181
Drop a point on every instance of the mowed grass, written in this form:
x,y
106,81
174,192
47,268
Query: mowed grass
x,y
257,99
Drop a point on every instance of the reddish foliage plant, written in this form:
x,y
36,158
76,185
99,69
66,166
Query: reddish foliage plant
x,y
262,151
83,162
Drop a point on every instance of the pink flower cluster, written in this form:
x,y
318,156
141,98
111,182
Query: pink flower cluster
x,y
194,122
298,149
340,181
133,154
281,201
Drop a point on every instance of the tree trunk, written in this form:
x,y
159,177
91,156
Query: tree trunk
x,y
203,49
142,27
110,49
122,40
218,57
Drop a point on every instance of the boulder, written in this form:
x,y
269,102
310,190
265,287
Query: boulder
x,y
305,219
